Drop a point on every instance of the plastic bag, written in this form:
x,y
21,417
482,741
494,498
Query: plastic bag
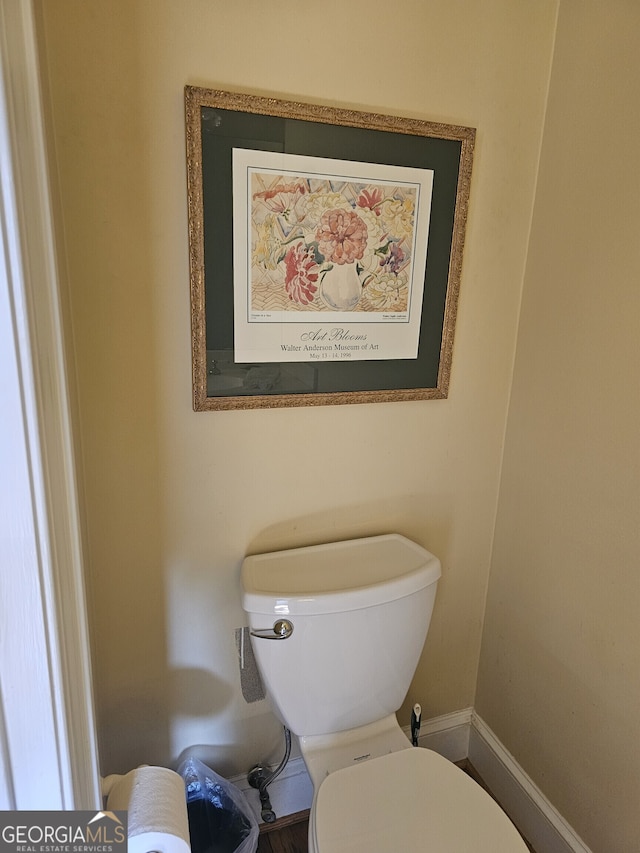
x,y
220,818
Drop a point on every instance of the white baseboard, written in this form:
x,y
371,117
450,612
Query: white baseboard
x,y
536,818
456,736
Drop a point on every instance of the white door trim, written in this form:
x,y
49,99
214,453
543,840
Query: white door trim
x,y
47,731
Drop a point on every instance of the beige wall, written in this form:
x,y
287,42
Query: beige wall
x,y
558,679
173,499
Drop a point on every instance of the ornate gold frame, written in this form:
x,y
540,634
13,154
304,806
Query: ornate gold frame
x,y
197,98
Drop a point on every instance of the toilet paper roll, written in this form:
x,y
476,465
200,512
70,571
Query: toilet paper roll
x,y
155,799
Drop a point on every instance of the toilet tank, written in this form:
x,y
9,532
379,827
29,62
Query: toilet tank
x,y
360,611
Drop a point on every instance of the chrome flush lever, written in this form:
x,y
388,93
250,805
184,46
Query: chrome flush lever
x,y
282,629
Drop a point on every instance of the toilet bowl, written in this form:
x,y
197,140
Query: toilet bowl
x,y
337,632
409,800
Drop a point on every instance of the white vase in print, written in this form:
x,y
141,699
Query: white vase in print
x,y
341,287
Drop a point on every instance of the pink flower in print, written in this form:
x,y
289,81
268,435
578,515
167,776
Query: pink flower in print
x,y
283,198
370,200
301,274
341,236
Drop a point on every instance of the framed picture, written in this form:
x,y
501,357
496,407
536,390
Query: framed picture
x,y
325,251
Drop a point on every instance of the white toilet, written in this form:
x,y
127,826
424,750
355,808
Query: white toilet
x,y
337,631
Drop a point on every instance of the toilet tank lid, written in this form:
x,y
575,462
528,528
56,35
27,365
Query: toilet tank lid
x,y
337,576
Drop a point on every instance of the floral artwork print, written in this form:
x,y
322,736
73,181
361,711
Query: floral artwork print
x,y
326,244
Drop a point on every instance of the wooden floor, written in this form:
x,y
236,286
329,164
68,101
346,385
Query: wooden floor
x,y
286,835
289,834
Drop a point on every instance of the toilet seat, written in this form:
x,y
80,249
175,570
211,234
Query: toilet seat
x,y
413,799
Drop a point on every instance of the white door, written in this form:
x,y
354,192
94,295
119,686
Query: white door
x,y
48,755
